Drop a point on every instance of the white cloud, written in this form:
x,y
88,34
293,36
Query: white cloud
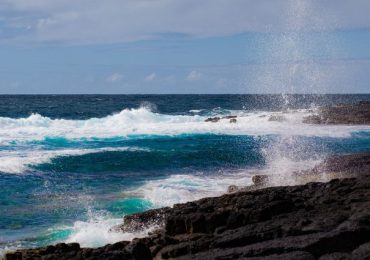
x,y
115,77
96,21
151,77
194,76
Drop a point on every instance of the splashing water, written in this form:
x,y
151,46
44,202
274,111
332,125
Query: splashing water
x,y
289,66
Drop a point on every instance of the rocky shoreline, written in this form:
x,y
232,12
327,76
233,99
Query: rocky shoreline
x,y
317,220
325,216
349,114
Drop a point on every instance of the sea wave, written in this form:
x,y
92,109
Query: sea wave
x,y
162,192
142,121
19,161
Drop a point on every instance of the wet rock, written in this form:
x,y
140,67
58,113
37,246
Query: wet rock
x,y
232,119
213,119
143,220
232,188
260,179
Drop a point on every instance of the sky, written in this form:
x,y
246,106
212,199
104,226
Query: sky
x,y
178,46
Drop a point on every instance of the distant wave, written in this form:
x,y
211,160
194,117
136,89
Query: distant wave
x,y
19,161
142,121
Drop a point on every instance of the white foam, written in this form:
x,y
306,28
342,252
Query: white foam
x,y
144,122
181,188
97,231
20,160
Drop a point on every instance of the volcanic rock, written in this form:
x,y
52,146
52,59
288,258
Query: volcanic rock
x,y
312,221
213,119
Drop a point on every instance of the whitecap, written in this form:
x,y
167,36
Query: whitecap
x,y
142,121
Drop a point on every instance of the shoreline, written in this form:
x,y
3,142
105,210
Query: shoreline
x,y
307,221
325,215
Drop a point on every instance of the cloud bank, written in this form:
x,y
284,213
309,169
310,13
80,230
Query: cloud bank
x,y
111,21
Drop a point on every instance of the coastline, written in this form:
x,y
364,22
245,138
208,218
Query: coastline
x,y
313,219
308,221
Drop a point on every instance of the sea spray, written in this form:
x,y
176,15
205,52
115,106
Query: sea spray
x,y
289,65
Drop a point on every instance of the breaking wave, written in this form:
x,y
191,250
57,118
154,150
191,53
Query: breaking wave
x,y
142,121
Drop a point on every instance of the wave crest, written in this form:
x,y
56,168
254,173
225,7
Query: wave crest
x,y
143,121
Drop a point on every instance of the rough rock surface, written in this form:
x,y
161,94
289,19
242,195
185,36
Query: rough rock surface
x,y
342,114
313,221
141,221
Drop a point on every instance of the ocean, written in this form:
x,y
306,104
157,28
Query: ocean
x,y
71,166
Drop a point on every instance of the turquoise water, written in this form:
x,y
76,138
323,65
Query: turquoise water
x,y
72,166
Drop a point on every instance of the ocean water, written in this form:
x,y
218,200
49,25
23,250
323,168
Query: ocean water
x,y
72,166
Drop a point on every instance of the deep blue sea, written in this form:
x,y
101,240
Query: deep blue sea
x,y
72,166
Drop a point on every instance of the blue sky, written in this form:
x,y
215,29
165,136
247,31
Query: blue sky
x,y
173,46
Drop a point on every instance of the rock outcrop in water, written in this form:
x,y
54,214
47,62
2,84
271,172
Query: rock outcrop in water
x,y
313,221
342,114
232,119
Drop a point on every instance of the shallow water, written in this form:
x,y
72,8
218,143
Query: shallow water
x,y
73,166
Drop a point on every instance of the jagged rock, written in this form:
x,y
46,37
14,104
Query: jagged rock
x,y
233,120
143,220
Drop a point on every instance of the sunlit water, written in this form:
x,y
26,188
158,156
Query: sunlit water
x,y
72,166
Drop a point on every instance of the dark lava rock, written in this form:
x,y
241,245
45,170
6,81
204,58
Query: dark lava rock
x,y
213,119
260,179
313,221
141,221
353,114
73,251
232,119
